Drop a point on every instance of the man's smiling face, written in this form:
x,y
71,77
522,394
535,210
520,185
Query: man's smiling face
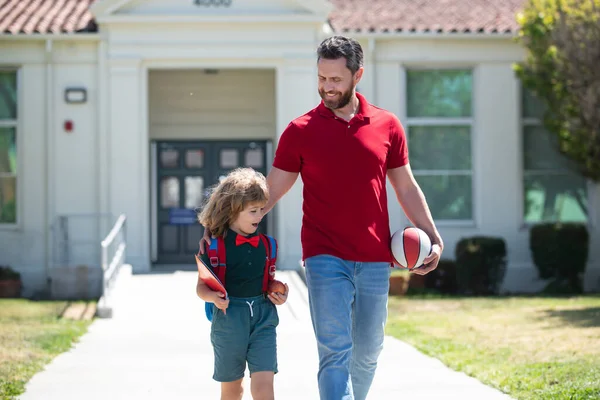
x,y
336,82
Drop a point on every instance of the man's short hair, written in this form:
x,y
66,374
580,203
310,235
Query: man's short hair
x,y
340,46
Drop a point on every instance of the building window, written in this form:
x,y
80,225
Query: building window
x,y
439,125
8,146
553,191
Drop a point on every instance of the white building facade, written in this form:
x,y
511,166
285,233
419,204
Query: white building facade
x,y
142,115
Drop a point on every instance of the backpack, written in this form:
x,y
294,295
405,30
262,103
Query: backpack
x,y
218,262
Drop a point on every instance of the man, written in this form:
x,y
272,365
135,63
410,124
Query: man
x,y
344,149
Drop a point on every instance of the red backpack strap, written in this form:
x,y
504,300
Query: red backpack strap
x,y
271,249
218,258
222,259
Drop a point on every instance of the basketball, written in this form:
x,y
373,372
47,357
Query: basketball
x,y
276,286
409,247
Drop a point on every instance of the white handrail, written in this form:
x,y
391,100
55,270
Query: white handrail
x,y
110,269
113,232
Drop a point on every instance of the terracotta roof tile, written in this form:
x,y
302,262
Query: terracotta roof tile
x,y
46,16
486,16
465,16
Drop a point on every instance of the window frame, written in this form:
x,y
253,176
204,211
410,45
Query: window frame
x,y
16,125
447,121
538,122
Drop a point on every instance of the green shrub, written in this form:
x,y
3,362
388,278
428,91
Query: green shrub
x,y
8,274
443,278
560,253
480,265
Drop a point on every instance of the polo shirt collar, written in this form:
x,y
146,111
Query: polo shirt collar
x,y
364,108
231,234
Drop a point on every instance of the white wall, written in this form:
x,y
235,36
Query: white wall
x,y
23,247
127,164
56,171
74,155
296,94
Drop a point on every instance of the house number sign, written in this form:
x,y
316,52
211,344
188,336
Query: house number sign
x,y
213,3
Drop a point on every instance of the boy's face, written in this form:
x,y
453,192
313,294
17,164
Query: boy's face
x,y
248,220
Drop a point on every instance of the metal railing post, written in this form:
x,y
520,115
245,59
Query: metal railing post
x,y
64,229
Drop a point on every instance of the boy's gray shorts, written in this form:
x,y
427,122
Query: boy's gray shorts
x,y
247,333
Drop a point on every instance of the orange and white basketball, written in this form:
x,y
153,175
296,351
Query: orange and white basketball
x,y
410,246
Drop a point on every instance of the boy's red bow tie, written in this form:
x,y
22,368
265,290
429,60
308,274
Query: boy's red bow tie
x,y
239,239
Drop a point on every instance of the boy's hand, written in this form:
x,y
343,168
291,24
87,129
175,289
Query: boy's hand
x,y
279,298
205,241
220,301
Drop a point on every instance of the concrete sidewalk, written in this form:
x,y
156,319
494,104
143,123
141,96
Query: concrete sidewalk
x,y
157,346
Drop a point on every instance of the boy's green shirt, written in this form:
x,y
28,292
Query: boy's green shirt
x,y
245,266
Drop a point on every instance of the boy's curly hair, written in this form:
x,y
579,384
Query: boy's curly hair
x,y
241,187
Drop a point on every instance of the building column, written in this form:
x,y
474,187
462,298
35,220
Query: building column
x,y
391,74
296,94
127,158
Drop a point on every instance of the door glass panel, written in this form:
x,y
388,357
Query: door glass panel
x,y
253,158
194,187
193,235
229,158
169,192
169,158
194,158
169,239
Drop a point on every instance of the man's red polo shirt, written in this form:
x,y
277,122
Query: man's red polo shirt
x,y
343,166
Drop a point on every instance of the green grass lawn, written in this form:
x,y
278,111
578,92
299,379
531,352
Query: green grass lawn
x,y
530,348
31,334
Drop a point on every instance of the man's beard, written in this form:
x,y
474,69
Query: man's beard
x,y
342,102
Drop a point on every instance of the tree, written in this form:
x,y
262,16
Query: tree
x,y
562,69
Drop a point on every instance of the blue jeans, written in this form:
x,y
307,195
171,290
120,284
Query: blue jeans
x,y
348,306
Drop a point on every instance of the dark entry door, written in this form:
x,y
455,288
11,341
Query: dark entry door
x,y
185,171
